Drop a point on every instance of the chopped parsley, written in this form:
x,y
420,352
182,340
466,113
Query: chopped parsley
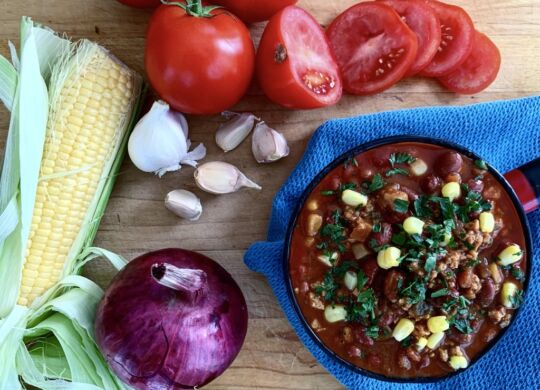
x,y
401,206
327,289
431,260
363,310
406,342
372,331
397,171
480,164
334,233
401,158
375,184
350,161
414,292
518,274
328,192
439,293
342,187
376,228
516,300
421,207
362,279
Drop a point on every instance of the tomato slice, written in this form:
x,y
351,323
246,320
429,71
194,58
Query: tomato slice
x,y
457,37
479,69
423,20
295,66
373,47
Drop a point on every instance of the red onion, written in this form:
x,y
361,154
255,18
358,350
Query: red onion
x,y
171,319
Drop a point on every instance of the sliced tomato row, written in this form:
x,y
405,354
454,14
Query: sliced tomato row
x,y
370,47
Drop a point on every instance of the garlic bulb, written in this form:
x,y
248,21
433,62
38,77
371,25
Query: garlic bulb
x,y
268,145
159,142
185,204
221,178
231,133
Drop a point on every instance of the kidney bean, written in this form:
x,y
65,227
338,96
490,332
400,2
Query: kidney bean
x,y
386,319
431,184
404,362
424,362
362,338
384,236
476,185
460,338
487,293
465,278
365,173
393,279
449,162
370,268
354,351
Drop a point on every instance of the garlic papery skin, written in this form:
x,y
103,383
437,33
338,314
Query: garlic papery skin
x,y
159,142
221,178
184,204
268,145
231,133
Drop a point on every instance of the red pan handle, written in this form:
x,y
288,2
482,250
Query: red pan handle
x,y
525,181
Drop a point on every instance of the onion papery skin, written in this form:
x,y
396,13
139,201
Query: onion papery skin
x,y
155,337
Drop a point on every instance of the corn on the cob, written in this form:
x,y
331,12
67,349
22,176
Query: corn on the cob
x,y
90,110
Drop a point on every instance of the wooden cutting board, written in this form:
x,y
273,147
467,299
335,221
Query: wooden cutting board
x,y
137,222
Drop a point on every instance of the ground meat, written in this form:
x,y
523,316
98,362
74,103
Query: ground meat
x,y
347,334
456,351
420,330
474,239
315,301
453,258
497,314
361,230
413,354
404,362
388,195
443,354
473,225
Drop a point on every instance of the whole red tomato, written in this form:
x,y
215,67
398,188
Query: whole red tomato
x,y
251,11
198,59
141,3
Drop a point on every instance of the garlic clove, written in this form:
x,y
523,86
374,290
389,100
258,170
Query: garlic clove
x,y
268,145
184,204
231,133
221,178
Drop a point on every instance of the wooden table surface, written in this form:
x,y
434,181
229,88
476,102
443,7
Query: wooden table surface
x,y
137,222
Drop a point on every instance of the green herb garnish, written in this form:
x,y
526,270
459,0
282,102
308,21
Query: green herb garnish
x,y
372,331
401,206
397,171
439,293
480,164
518,274
401,158
375,184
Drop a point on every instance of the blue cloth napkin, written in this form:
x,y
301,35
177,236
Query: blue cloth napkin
x,y
504,133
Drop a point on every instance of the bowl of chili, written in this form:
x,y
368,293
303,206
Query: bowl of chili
x,y
407,258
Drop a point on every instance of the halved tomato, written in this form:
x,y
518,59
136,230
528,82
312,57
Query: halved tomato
x,y
457,37
479,69
373,47
423,20
295,66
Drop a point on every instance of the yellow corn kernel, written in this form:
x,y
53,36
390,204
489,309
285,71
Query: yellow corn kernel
x,y
403,329
510,255
418,167
313,224
451,190
72,144
487,222
438,324
421,343
389,257
335,313
508,292
359,251
329,261
495,273
350,280
353,198
434,340
413,225
458,362
312,205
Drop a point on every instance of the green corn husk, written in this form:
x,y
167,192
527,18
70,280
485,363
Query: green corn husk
x,y
49,345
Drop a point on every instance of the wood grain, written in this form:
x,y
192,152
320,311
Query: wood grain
x,y
136,221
